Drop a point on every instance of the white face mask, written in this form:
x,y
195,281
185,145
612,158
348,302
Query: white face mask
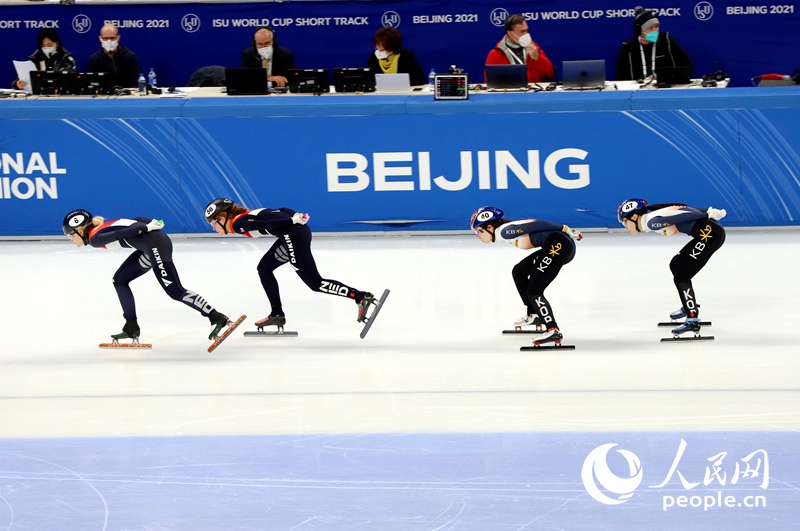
x,y
110,46
48,51
381,54
525,40
265,52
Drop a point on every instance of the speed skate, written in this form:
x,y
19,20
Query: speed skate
x,y
528,324
690,325
552,335
277,321
133,344
369,316
218,339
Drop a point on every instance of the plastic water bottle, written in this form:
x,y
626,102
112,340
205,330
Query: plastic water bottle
x,y
151,77
142,85
431,78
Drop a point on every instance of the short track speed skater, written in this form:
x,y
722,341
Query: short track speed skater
x,y
369,309
218,338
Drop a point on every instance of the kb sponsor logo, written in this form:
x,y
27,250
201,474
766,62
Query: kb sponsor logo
x,y
81,23
703,11
498,16
390,19
190,23
596,474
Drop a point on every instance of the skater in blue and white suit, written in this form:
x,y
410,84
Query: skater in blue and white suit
x,y
701,225
555,247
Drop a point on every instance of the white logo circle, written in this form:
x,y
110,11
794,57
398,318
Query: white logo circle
x,y
629,206
390,19
81,23
498,16
703,11
190,23
210,210
76,220
595,470
485,216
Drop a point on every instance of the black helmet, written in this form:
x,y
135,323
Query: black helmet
x,y
76,219
215,207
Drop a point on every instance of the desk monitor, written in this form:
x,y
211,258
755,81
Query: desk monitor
x,y
93,83
246,81
51,83
354,79
392,83
679,75
584,75
309,81
504,77
450,87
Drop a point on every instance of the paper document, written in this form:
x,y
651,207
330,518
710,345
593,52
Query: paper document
x,y
24,69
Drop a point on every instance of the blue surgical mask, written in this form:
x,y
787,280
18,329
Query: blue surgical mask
x,y
652,36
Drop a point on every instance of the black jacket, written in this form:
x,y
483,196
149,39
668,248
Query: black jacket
x,y
282,60
61,61
124,65
668,54
406,64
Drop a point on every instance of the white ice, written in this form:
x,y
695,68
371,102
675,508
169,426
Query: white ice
x,y
435,360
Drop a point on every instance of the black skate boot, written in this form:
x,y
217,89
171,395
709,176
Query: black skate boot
x,y
218,321
130,330
272,320
363,305
551,335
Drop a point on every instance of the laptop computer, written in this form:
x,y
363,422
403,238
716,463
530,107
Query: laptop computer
x,y
584,75
392,83
246,81
506,77
674,75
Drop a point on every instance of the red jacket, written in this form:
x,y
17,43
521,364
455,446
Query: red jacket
x,y
539,70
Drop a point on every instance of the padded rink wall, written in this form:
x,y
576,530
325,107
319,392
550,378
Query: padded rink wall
x,y
388,163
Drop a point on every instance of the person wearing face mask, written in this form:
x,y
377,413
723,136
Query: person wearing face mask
x,y
649,49
49,56
518,48
115,58
266,53
390,57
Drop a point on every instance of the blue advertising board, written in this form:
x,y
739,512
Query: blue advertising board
x,y
374,163
743,38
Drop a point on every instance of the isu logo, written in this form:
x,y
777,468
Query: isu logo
x,y
596,474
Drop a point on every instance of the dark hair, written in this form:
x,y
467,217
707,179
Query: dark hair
x,y
390,38
513,20
49,33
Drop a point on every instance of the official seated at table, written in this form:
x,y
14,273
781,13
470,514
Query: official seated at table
x,y
50,55
264,52
390,57
114,58
517,47
649,49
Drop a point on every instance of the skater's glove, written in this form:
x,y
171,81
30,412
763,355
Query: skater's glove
x,y
575,234
300,219
716,213
155,224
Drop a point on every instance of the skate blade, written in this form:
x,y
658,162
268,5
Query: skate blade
x,y
687,338
673,324
133,344
265,333
233,326
547,347
535,330
371,317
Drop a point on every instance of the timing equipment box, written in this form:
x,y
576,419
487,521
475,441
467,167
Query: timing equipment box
x,y
450,87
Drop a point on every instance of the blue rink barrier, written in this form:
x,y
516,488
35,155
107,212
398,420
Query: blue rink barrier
x,y
500,481
744,39
388,163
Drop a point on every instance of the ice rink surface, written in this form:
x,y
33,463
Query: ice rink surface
x,y
434,421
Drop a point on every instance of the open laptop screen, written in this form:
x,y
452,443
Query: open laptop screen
x,y
246,81
506,76
583,75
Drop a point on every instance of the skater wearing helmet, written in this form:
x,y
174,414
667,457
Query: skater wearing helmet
x,y
555,248
293,245
153,250
673,218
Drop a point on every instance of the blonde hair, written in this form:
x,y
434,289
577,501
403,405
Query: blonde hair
x,y
97,221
